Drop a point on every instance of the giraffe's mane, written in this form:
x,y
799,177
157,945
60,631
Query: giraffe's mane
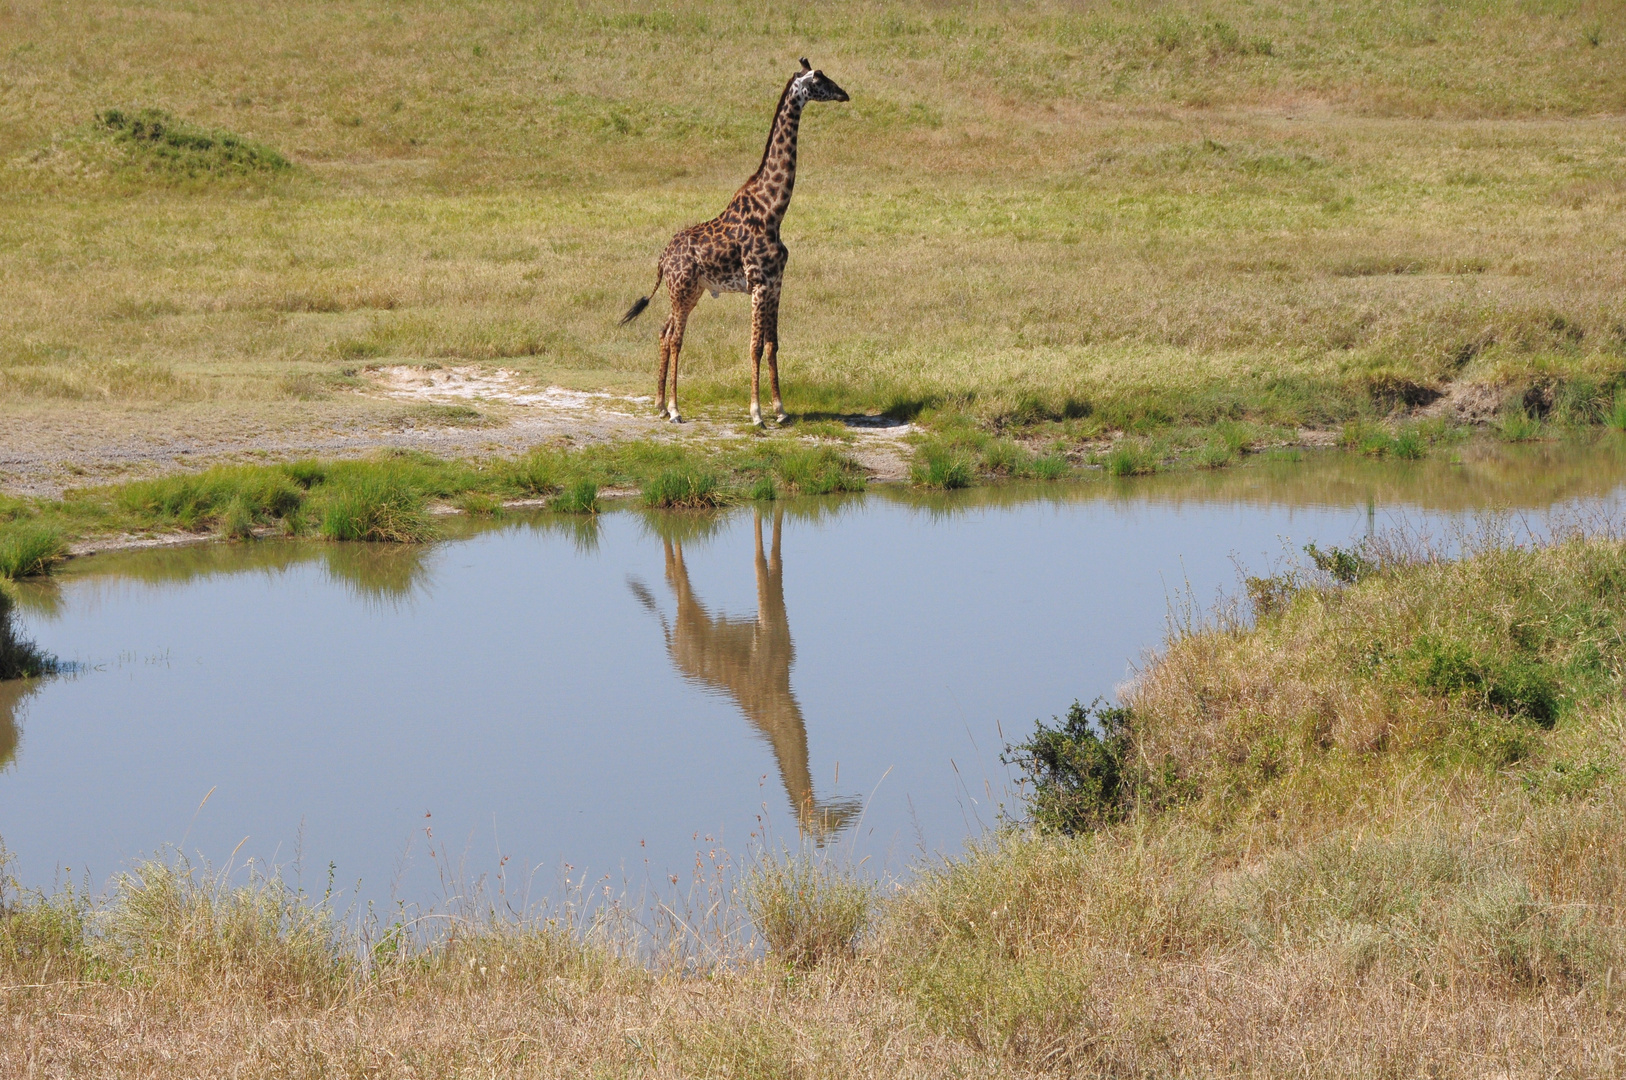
x,y
773,125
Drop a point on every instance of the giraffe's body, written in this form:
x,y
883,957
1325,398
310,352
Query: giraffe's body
x,y
739,251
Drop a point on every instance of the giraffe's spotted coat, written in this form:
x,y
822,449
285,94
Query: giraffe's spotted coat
x,y
739,250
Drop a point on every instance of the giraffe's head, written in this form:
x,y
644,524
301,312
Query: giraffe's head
x,y
812,85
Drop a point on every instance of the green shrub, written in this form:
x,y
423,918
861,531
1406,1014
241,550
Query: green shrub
x,y
807,910
28,547
1345,566
1520,687
1077,770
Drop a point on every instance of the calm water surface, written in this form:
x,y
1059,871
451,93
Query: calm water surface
x,y
613,697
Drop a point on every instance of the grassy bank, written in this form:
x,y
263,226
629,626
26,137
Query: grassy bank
x,y
398,496
1375,833
1084,215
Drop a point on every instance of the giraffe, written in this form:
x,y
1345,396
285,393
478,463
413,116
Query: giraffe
x,y
749,660
739,251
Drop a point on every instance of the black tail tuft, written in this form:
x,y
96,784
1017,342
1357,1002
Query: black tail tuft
x,y
635,310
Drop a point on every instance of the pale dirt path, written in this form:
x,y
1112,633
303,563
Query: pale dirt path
x,y
46,449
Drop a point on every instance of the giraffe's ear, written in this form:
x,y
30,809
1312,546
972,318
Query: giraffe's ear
x,y
805,65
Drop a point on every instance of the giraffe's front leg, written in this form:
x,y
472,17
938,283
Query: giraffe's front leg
x,y
756,355
770,335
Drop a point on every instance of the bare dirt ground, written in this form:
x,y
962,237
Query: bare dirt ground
x,y
48,447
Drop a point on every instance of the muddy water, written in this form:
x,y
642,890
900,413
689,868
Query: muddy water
x,y
613,697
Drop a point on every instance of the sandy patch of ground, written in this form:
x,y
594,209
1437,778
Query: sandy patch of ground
x,y
47,447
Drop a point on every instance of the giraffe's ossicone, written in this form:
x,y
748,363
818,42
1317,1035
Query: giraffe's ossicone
x,y
739,251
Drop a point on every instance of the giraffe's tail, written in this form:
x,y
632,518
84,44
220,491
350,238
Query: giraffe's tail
x,y
643,301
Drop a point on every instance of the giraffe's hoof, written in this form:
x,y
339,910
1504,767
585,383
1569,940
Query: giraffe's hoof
x,y
676,419
782,418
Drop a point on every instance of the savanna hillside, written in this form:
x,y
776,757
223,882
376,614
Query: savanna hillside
x,y
1127,215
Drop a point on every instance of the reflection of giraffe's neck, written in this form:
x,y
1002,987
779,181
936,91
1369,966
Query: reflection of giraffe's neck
x,y
750,660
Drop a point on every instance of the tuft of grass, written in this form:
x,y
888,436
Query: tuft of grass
x,y
541,472
684,488
1409,444
480,504
1517,425
820,470
1048,467
29,547
1131,457
942,466
1617,414
577,497
806,909
375,507
1214,455
762,489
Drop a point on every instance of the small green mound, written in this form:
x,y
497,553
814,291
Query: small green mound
x,y
161,143
27,548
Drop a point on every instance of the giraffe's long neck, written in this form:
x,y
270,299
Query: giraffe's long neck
x,y
775,178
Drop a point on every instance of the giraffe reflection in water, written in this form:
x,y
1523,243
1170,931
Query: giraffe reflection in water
x,y
749,659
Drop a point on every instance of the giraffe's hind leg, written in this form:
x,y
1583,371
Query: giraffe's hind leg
x,y
683,302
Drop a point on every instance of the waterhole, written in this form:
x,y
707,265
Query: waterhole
x,y
609,700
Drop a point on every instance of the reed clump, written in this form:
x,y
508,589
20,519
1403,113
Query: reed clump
x,y
29,547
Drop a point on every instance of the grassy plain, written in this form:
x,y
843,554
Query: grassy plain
x,y
1375,833
1114,216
